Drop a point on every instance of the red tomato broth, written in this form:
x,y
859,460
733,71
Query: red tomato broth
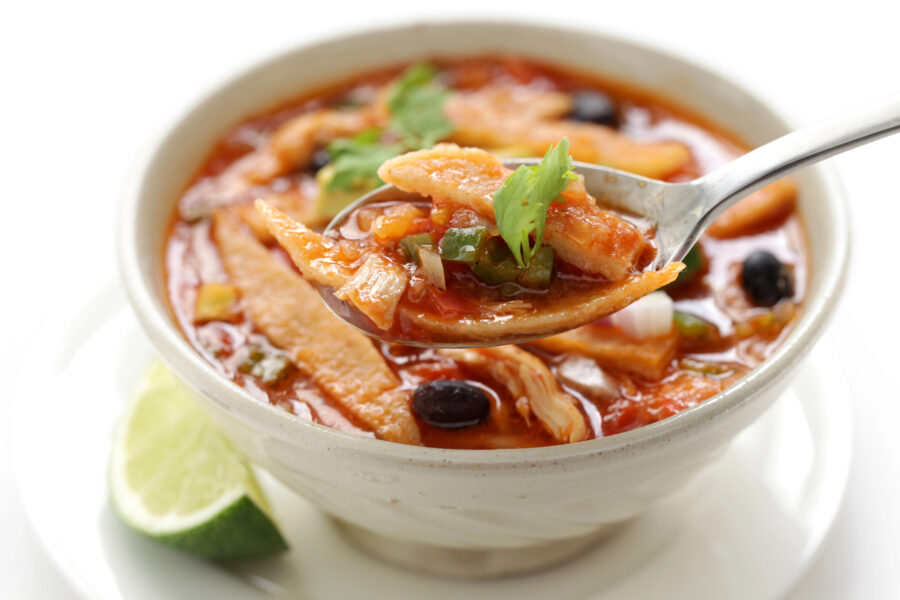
x,y
715,295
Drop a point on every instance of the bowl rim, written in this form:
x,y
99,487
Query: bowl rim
x,y
175,349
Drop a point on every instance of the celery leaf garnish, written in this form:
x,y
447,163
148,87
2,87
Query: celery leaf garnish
x,y
521,203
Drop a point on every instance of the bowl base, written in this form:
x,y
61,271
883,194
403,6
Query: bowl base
x,y
470,564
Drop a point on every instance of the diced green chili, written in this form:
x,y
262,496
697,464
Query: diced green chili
x,y
463,244
691,327
269,367
410,242
540,270
496,264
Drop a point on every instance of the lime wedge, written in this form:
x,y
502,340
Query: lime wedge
x,y
175,478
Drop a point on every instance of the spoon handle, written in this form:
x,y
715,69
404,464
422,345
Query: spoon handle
x,y
728,184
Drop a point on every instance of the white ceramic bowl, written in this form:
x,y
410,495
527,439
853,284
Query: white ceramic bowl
x,y
470,513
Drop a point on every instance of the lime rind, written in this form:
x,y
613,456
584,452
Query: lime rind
x,y
175,478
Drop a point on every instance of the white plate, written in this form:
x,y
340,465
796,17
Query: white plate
x,y
747,528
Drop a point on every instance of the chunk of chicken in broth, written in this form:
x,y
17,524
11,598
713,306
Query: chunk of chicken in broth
x,y
533,386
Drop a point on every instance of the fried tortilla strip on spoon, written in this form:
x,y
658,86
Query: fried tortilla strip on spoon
x,y
481,120
529,380
299,204
374,288
582,234
496,321
341,361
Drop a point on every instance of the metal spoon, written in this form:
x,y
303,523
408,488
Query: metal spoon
x,y
681,211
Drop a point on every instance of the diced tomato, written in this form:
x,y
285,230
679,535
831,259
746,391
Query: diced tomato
x,y
522,71
622,415
447,303
658,401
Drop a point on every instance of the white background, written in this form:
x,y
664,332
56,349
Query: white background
x,y
84,85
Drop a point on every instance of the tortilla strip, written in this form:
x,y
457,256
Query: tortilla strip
x,y
581,233
612,349
526,376
320,258
374,288
762,206
477,124
342,362
298,204
497,322
524,102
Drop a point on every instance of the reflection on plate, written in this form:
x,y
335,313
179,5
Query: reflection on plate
x,y
746,528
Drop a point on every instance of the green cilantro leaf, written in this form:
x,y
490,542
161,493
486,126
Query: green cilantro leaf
x,y
521,203
356,160
417,108
416,103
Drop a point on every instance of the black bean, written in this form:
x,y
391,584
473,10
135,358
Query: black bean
x,y
319,159
451,404
765,279
594,107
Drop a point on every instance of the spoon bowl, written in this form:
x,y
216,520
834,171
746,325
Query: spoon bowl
x,y
634,196
679,213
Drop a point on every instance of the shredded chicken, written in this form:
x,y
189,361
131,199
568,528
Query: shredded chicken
x,y
342,362
526,377
484,118
581,233
374,288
